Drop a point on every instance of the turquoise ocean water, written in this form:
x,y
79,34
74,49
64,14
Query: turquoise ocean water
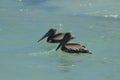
x,y
95,24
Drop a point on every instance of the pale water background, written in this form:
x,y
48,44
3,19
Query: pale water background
x,y
95,23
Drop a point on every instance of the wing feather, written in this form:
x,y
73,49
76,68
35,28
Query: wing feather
x,y
59,36
75,47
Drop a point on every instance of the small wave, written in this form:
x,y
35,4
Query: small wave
x,y
62,66
41,53
104,13
112,15
85,5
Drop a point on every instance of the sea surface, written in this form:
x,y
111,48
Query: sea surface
x,y
94,23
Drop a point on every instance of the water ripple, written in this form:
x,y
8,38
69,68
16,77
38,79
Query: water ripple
x,y
42,53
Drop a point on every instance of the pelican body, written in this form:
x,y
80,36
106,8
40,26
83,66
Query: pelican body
x,y
52,37
71,47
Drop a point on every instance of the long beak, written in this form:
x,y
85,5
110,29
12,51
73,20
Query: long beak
x,y
46,35
63,42
42,38
59,46
49,33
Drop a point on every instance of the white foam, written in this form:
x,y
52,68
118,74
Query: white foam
x,y
61,66
41,53
112,15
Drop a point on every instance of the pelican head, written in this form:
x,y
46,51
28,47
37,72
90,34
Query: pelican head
x,y
51,32
65,39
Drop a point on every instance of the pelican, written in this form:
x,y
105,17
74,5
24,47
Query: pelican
x,y
71,47
52,37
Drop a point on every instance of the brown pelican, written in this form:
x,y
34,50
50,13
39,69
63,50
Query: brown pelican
x,y
71,47
52,37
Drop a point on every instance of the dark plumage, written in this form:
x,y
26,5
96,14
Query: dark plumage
x,y
71,47
52,37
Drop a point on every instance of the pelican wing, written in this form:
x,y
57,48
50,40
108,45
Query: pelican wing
x,y
74,47
59,36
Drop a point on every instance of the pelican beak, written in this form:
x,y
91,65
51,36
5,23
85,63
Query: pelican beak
x,y
65,39
61,43
49,33
46,35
